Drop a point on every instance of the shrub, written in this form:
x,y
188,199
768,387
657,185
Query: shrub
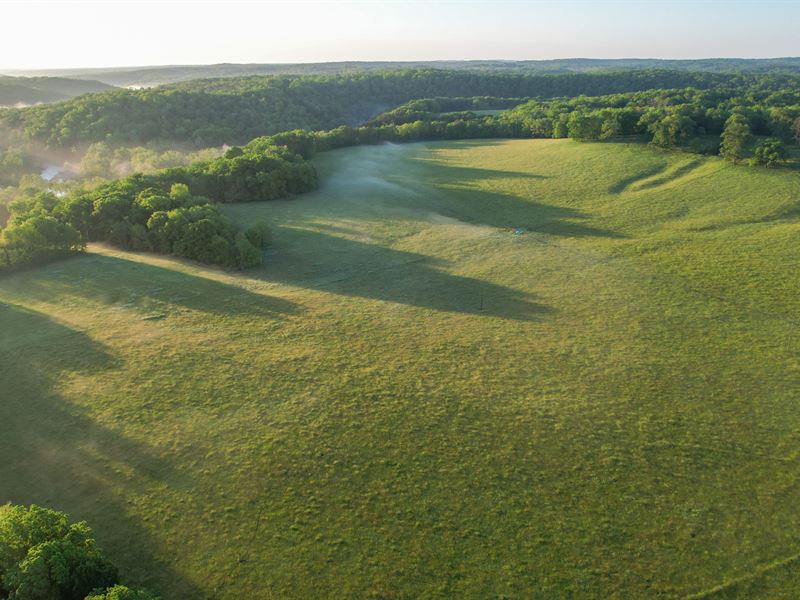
x,y
247,255
259,234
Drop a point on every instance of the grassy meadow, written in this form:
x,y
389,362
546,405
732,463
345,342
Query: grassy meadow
x,y
485,369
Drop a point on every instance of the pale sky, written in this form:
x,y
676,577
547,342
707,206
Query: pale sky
x,y
118,33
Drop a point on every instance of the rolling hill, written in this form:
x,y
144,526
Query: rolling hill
x,y
147,76
19,91
520,369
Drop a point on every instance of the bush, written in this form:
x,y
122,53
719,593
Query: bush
x,y
259,234
247,255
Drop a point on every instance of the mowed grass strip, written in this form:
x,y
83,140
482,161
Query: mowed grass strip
x,y
476,369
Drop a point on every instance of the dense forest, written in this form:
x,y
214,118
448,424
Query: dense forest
x,y
234,110
172,210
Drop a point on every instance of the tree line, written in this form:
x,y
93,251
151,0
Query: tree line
x,y
233,110
722,120
171,211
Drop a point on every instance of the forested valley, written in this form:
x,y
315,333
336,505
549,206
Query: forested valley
x,y
171,210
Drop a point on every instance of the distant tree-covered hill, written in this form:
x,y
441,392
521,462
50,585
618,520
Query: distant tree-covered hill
x,y
159,75
36,90
234,110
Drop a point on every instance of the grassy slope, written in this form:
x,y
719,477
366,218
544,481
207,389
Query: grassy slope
x,y
411,401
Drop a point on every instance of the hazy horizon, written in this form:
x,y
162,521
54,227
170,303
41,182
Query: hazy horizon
x,y
124,34
367,61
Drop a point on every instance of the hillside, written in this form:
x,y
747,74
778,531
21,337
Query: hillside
x,y
16,91
159,75
531,368
235,110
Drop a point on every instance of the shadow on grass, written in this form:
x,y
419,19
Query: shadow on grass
x,y
115,281
465,201
55,456
354,268
475,173
672,175
624,184
471,143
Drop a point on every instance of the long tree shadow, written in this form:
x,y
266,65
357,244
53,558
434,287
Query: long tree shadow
x,y
55,456
456,196
367,183
150,289
505,211
671,175
314,259
461,173
623,184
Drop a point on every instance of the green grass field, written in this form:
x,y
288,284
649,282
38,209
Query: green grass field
x,y
412,400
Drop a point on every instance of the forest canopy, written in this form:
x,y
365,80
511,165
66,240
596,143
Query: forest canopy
x,y
233,110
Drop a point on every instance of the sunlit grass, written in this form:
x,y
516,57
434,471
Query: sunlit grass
x,y
478,369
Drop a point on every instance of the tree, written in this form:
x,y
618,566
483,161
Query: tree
x,y
611,128
670,129
796,130
66,569
584,126
769,153
734,137
97,160
560,129
37,237
43,557
120,592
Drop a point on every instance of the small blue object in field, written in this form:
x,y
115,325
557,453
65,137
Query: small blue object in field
x,y
519,231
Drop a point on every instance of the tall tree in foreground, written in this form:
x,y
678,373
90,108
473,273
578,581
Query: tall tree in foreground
x,y
735,136
45,557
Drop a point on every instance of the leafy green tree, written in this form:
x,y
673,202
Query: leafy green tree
x,y
611,128
560,129
180,193
43,557
37,237
582,126
120,592
671,129
734,138
796,130
769,153
152,200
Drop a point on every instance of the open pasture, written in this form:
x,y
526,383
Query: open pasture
x,y
486,369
